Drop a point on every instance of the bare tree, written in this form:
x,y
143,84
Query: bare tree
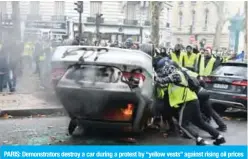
x,y
222,19
156,10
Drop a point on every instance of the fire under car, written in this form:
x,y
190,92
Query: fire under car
x,y
107,88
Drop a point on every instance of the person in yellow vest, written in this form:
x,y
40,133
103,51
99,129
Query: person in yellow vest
x,y
27,54
206,63
177,56
232,57
189,59
182,98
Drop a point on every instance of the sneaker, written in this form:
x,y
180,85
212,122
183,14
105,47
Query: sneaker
x,y
219,141
202,142
222,128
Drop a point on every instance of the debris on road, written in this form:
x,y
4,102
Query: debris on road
x,y
129,140
53,138
6,116
39,115
5,142
227,118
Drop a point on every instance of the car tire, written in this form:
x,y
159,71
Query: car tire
x,y
72,126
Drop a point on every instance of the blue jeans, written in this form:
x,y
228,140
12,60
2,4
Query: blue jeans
x,y
10,82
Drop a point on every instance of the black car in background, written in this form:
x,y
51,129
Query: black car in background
x,y
228,86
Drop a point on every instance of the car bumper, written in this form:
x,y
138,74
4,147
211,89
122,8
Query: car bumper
x,y
228,99
90,106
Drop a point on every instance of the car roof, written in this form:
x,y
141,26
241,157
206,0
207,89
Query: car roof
x,y
113,56
234,63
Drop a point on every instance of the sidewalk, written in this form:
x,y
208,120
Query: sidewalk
x,y
29,99
26,105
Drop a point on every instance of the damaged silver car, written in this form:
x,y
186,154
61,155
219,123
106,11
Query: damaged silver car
x,y
107,88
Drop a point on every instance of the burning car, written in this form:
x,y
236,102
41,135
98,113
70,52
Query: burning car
x,y
107,88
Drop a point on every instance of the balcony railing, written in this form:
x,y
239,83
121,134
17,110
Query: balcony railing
x,y
33,17
93,20
130,22
147,23
59,18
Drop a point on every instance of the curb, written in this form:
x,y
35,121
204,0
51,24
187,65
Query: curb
x,y
33,112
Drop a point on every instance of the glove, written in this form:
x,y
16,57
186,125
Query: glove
x,y
175,78
163,80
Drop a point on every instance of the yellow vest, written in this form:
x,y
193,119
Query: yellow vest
x,y
160,92
191,73
226,59
179,94
206,71
28,49
42,58
189,61
175,58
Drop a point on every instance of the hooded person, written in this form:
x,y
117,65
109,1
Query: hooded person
x,y
207,63
190,58
177,55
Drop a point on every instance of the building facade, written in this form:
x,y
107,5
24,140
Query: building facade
x,y
120,20
195,21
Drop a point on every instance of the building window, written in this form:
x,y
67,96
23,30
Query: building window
x,y
180,19
34,8
180,4
131,9
206,18
95,8
193,18
3,6
193,2
59,7
148,11
168,14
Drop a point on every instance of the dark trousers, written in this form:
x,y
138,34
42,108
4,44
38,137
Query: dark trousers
x,y
190,114
10,81
162,108
207,109
1,82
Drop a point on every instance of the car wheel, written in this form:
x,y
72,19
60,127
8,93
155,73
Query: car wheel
x,y
72,126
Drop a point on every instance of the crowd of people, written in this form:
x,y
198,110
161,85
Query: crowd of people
x,y
18,58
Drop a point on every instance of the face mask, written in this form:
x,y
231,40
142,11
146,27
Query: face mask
x,y
177,51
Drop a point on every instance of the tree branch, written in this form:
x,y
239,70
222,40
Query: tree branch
x,y
216,4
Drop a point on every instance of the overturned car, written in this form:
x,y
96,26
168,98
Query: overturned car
x,y
107,88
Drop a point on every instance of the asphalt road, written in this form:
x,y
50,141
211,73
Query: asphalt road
x,y
53,131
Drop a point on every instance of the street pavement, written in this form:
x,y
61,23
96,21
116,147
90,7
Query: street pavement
x,y
51,130
28,99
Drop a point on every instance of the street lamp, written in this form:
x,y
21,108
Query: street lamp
x,y
79,9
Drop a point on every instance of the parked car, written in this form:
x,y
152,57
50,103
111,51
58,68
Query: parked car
x,y
228,86
106,88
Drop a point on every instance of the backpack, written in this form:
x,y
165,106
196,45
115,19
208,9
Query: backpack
x,y
193,83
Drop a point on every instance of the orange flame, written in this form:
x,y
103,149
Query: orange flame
x,y
128,110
